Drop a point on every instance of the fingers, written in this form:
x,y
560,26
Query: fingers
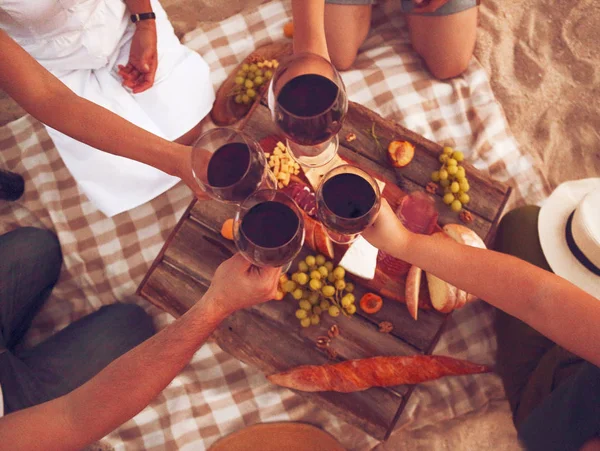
x,y
148,78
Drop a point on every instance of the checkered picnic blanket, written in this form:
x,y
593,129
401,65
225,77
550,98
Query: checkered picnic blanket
x,y
106,258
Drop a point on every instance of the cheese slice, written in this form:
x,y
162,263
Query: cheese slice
x,y
360,259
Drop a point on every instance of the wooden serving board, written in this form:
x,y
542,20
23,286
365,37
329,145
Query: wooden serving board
x,y
269,336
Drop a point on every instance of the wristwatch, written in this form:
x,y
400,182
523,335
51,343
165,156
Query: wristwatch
x,y
142,16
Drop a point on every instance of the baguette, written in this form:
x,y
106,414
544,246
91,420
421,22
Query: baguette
x,y
357,375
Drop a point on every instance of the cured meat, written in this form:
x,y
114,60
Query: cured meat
x,y
357,375
303,196
418,213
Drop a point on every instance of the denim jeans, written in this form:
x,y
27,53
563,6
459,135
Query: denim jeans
x,y
30,261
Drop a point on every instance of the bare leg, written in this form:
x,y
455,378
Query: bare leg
x,y
346,27
446,43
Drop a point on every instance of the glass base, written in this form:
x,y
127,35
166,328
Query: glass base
x,y
313,156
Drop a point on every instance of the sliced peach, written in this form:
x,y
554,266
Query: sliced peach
x,y
401,153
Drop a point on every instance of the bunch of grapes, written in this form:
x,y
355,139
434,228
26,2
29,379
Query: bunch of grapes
x,y
319,287
453,179
250,78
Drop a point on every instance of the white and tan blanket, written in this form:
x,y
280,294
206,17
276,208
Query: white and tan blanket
x,y
106,258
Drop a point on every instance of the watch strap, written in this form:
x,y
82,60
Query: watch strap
x,y
142,16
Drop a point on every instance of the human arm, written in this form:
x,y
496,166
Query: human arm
x,y
140,70
309,27
548,303
128,384
47,99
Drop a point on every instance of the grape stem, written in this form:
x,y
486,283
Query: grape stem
x,y
373,134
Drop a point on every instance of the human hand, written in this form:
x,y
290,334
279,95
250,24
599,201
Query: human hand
x,y
238,284
427,6
387,232
139,73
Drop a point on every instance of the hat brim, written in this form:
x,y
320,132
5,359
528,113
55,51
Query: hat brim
x,y
286,436
552,223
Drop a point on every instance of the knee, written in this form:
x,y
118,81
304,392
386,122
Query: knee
x,y
446,69
516,217
38,246
130,319
343,59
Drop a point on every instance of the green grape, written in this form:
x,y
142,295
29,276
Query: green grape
x,y
320,259
334,311
315,320
315,284
340,284
301,314
448,198
460,172
323,271
302,266
258,73
349,287
435,176
317,310
245,67
258,80
452,162
297,294
295,276
302,278
288,286
452,170
268,74
314,298
329,266
314,274
249,84
328,291
305,322
464,198
346,302
310,260
239,80
238,98
331,278
464,186
445,183
325,304
443,158
456,205
305,305
448,150
251,93
351,309
245,99
250,76
350,297
443,174
241,73
339,273
253,68
454,187
458,155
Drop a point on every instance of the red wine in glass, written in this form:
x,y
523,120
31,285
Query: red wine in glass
x,y
348,201
269,229
229,165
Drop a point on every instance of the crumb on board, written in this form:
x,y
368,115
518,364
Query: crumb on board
x,y
385,327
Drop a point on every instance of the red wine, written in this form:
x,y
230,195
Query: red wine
x,y
234,172
270,224
310,111
349,195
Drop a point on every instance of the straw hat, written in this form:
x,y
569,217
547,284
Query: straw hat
x,y
277,437
569,231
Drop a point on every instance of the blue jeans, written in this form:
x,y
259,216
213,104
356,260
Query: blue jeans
x,y
30,261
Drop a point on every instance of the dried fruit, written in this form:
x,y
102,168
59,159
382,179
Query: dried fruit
x,y
227,229
401,153
350,137
288,30
323,342
385,327
371,303
333,331
466,217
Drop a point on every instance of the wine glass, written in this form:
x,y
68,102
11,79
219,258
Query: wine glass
x,y
308,103
229,165
268,229
348,200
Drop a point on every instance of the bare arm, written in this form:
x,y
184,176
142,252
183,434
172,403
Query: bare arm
x,y
309,27
51,102
128,384
548,303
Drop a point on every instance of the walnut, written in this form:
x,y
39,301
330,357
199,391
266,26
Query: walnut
x,y
385,327
333,331
331,354
431,188
323,342
350,137
466,217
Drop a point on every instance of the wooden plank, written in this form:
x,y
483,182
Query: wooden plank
x,y
250,338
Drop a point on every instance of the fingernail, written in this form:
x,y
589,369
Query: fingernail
x,y
146,67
